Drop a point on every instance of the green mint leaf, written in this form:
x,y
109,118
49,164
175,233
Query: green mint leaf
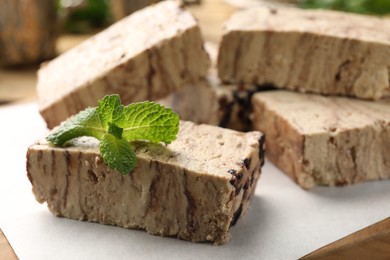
x,y
85,123
117,153
115,125
109,107
148,121
115,131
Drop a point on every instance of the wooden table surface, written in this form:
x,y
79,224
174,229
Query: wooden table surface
x,y
6,251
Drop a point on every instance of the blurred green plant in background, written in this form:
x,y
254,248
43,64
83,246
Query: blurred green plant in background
x,y
82,16
374,7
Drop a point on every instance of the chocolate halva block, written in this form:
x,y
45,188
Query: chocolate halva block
x,y
144,56
319,140
315,51
194,189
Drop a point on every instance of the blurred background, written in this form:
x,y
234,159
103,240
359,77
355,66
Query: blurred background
x,y
34,31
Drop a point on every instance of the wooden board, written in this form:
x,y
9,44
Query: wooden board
x,y
372,242
6,251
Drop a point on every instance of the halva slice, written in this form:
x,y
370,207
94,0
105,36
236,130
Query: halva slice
x,y
319,140
316,51
194,188
144,56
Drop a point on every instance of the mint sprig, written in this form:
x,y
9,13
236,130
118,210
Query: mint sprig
x,y
115,125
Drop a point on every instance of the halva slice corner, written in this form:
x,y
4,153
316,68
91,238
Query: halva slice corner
x,y
316,51
210,102
144,56
194,189
317,140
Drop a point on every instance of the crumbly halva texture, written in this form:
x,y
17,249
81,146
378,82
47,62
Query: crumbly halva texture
x,y
144,56
315,51
320,140
209,102
194,188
